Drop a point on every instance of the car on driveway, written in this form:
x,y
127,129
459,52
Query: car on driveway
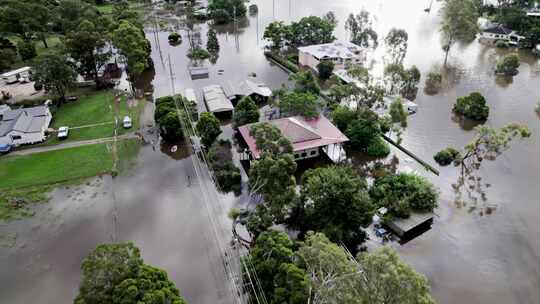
x,y
127,122
5,148
63,132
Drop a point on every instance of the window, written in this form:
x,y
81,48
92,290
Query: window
x,y
313,152
304,154
296,156
16,137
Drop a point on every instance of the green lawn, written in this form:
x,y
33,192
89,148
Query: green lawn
x,y
30,177
54,43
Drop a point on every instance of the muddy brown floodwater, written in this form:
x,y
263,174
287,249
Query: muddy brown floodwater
x,y
467,258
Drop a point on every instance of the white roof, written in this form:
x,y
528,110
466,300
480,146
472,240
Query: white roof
x,y
15,72
338,49
216,100
126,119
190,95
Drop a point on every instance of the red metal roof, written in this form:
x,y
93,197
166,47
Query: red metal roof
x,y
304,133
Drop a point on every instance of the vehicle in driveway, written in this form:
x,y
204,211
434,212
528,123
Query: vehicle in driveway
x,y
5,148
63,132
127,122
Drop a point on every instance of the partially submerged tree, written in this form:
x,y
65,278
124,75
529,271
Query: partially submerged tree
x,y
433,82
55,73
446,156
225,11
472,106
459,23
116,273
325,69
221,161
305,82
311,30
396,43
508,65
488,144
277,33
361,31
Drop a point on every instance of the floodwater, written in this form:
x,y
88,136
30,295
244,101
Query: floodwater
x,y
466,257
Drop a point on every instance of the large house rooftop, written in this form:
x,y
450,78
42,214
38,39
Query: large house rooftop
x,y
338,49
498,29
303,133
23,120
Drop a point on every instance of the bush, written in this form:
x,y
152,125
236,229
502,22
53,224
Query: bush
x,y
325,69
38,86
27,50
446,157
472,106
227,174
433,82
378,148
174,38
501,44
166,116
282,61
508,65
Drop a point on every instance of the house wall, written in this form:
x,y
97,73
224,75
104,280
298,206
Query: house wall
x,y
305,154
306,59
494,36
26,138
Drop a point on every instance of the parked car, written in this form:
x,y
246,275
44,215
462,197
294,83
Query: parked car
x,y
5,148
63,132
127,122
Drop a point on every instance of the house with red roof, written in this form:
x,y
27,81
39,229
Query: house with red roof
x,y
309,136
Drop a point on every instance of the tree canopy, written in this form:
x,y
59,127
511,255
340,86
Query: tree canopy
x,y
224,11
459,23
55,73
472,106
116,274
361,31
304,104
396,43
208,128
508,65
245,112
268,138
311,30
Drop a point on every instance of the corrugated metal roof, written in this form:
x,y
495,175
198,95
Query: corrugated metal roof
x,y
216,100
338,49
24,120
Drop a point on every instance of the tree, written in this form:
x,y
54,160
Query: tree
x,y
212,43
433,82
325,69
86,45
488,144
472,106
8,53
404,192
446,156
342,117
245,112
389,280
508,65
396,42
208,128
305,82
268,138
364,131
281,280
27,50
361,31
174,38
116,274
368,93
221,161
459,23
168,118
335,201
397,113
277,33
55,73
401,80
304,104
311,30
224,11
25,18
134,47
68,14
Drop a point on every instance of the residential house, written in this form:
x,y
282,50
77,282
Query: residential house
x,y
259,92
341,53
309,136
500,33
24,126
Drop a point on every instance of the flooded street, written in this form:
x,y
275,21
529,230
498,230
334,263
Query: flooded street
x,y
467,258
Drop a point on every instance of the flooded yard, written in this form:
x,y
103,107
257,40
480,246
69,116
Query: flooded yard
x,y
467,258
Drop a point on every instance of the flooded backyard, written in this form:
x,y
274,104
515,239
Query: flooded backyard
x,y
467,258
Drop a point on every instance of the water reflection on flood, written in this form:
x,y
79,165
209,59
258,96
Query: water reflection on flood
x,y
467,258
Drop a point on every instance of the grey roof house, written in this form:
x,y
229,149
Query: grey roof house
x,y
24,126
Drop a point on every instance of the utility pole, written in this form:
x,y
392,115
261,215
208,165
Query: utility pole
x,y
171,74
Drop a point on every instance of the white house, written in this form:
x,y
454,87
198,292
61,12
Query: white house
x,y
24,126
340,53
500,33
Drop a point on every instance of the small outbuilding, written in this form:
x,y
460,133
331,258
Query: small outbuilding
x,y
15,75
216,100
414,225
259,92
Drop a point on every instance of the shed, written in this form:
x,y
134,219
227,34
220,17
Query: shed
x,y
216,101
257,91
407,228
13,76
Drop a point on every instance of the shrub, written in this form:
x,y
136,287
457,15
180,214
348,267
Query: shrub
x,y
501,44
174,38
27,50
472,106
433,82
446,157
38,86
227,174
378,148
508,65
325,69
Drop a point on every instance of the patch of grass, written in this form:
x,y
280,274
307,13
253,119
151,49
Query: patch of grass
x,y
10,209
55,166
87,110
53,42
134,111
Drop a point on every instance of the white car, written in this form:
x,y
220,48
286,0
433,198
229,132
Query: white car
x,y
127,122
63,132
